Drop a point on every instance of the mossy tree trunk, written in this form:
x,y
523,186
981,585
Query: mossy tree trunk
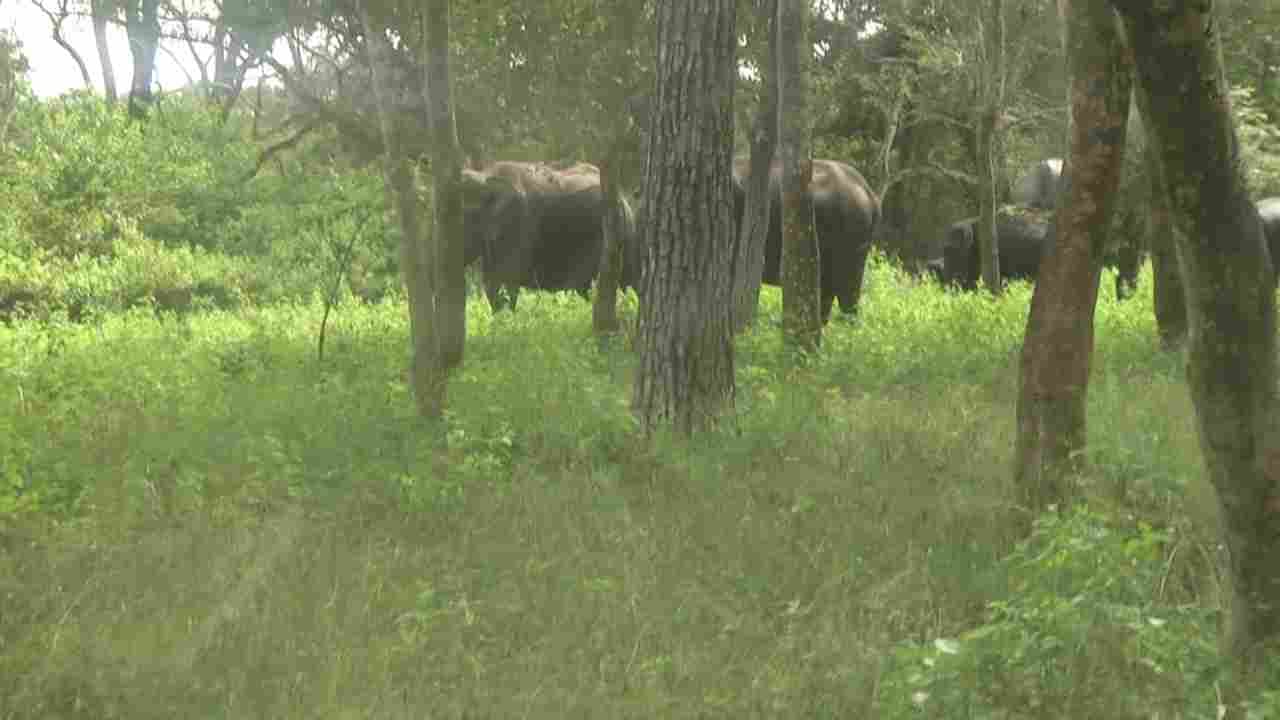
x,y
1231,346
986,126
142,26
685,378
801,262
1058,346
448,266
618,167
604,306
431,263
1168,297
748,261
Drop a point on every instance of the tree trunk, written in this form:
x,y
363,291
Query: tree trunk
x,y
800,264
1231,358
1168,296
748,261
604,308
418,262
142,25
446,166
101,11
988,163
57,17
1057,350
685,377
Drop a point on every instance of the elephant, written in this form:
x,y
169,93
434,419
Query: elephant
x,y
845,211
1038,189
536,225
1021,235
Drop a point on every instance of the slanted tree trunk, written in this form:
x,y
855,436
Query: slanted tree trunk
x,y
142,24
1168,297
992,84
58,15
101,10
748,261
801,270
1231,349
685,378
1058,346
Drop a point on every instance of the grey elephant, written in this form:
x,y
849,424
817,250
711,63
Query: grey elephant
x,y
1038,188
538,226
845,212
1021,234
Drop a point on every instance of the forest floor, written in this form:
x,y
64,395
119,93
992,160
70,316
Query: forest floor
x,y
199,519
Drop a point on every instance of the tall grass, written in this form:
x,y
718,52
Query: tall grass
x,y
199,519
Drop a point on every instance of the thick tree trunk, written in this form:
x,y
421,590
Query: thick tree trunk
x,y
748,261
1057,350
142,24
988,162
1231,358
685,377
446,167
101,11
801,269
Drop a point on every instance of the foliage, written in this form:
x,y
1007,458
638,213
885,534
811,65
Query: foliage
x,y
823,559
1083,632
84,169
96,198
1259,143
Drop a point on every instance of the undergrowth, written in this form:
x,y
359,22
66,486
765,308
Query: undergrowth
x,y
198,518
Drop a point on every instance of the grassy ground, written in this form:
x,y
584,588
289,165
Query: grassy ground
x,y
200,520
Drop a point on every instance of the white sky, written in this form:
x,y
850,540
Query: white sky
x,y
53,72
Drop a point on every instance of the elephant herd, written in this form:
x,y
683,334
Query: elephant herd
x,y
539,226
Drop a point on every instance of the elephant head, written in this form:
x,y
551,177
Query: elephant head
x,y
533,225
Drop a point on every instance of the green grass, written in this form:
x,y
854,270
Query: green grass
x,y
198,519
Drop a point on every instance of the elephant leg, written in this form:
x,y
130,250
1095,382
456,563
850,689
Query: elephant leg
x,y
502,295
851,293
1127,273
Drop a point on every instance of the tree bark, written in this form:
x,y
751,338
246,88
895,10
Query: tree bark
x,y
1169,298
142,24
801,264
418,260
685,378
101,11
1231,351
56,18
1057,350
748,261
446,167
604,307
988,163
